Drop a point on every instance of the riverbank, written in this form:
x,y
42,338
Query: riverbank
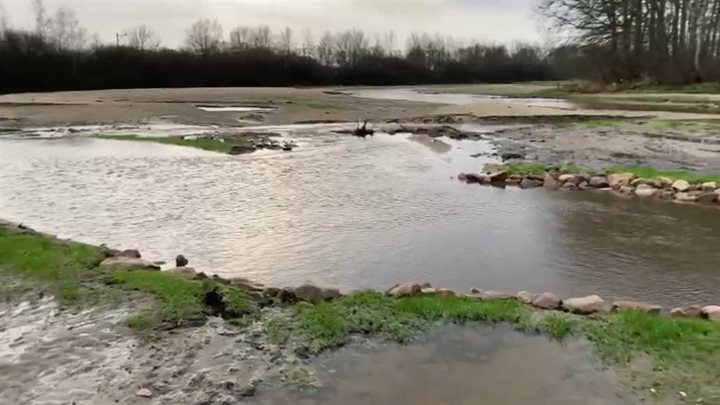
x,y
290,326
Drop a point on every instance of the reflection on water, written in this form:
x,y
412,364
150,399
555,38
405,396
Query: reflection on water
x,y
461,365
459,98
358,213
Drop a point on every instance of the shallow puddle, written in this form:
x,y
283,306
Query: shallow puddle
x,y
461,365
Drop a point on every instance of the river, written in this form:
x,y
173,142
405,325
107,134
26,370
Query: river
x,y
359,213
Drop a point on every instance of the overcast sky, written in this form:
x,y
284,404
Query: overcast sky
x,y
499,21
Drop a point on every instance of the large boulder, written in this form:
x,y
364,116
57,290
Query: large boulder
x,y
312,293
662,182
711,312
584,305
127,263
689,312
685,198
546,301
181,261
681,186
707,198
132,253
183,271
405,290
498,177
636,306
645,191
598,182
617,180
708,186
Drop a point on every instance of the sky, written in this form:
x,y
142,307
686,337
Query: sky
x,y
492,21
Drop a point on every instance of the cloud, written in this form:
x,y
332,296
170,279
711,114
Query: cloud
x,y
483,20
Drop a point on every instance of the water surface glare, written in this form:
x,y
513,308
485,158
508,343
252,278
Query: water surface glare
x,y
359,213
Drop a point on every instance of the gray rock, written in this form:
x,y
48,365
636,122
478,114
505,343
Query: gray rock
x,y
330,294
472,178
546,301
131,253
662,182
707,198
185,272
525,297
127,263
445,292
428,291
708,186
144,392
711,312
584,305
685,197
636,306
550,182
405,290
181,261
681,185
645,191
498,177
689,312
245,284
496,295
598,182
309,293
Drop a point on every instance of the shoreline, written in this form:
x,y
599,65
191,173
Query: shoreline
x,y
305,321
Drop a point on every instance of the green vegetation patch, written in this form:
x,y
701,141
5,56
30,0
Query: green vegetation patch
x,y
213,145
61,265
650,172
541,168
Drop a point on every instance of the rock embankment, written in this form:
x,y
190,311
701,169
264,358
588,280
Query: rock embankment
x,y
620,184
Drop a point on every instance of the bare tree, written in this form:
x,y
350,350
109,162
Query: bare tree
x,y
143,38
64,30
325,49
308,43
240,38
285,43
205,36
3,21
261,37
390,43
41,21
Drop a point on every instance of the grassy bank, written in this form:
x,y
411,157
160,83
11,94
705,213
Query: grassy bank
x,y
69,271
213,145
677,354
638,171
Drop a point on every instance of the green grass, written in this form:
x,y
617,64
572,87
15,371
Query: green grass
x,y
60,265
541,168
650,173
69,271
213,145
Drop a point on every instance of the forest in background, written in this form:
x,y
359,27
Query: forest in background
x,y
608,41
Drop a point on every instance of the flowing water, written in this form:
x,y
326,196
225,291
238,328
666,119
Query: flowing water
x,y
359,213
459,98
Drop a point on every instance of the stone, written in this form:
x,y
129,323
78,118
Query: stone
x,y
184,272
329,294
707,198
569,185
667,194
472,178
132,253
428,291
144,392
584,305
598,182
639,181
566,177
524,297
498,177
530,183
245,284
512,182
627,190
645,191
475,291
689,312
496,295
405,290
546,301
241,149
662,182
617,180
708,186
583,185
127,263
711,312
636,306
550,181
181,261
309,293
681,185
685,198
445,293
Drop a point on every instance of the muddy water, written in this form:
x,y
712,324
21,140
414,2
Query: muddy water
x,y
461,365
359,213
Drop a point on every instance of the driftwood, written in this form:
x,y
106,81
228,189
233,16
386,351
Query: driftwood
x,y
362,130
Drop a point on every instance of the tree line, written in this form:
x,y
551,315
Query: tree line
x,y
666,41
